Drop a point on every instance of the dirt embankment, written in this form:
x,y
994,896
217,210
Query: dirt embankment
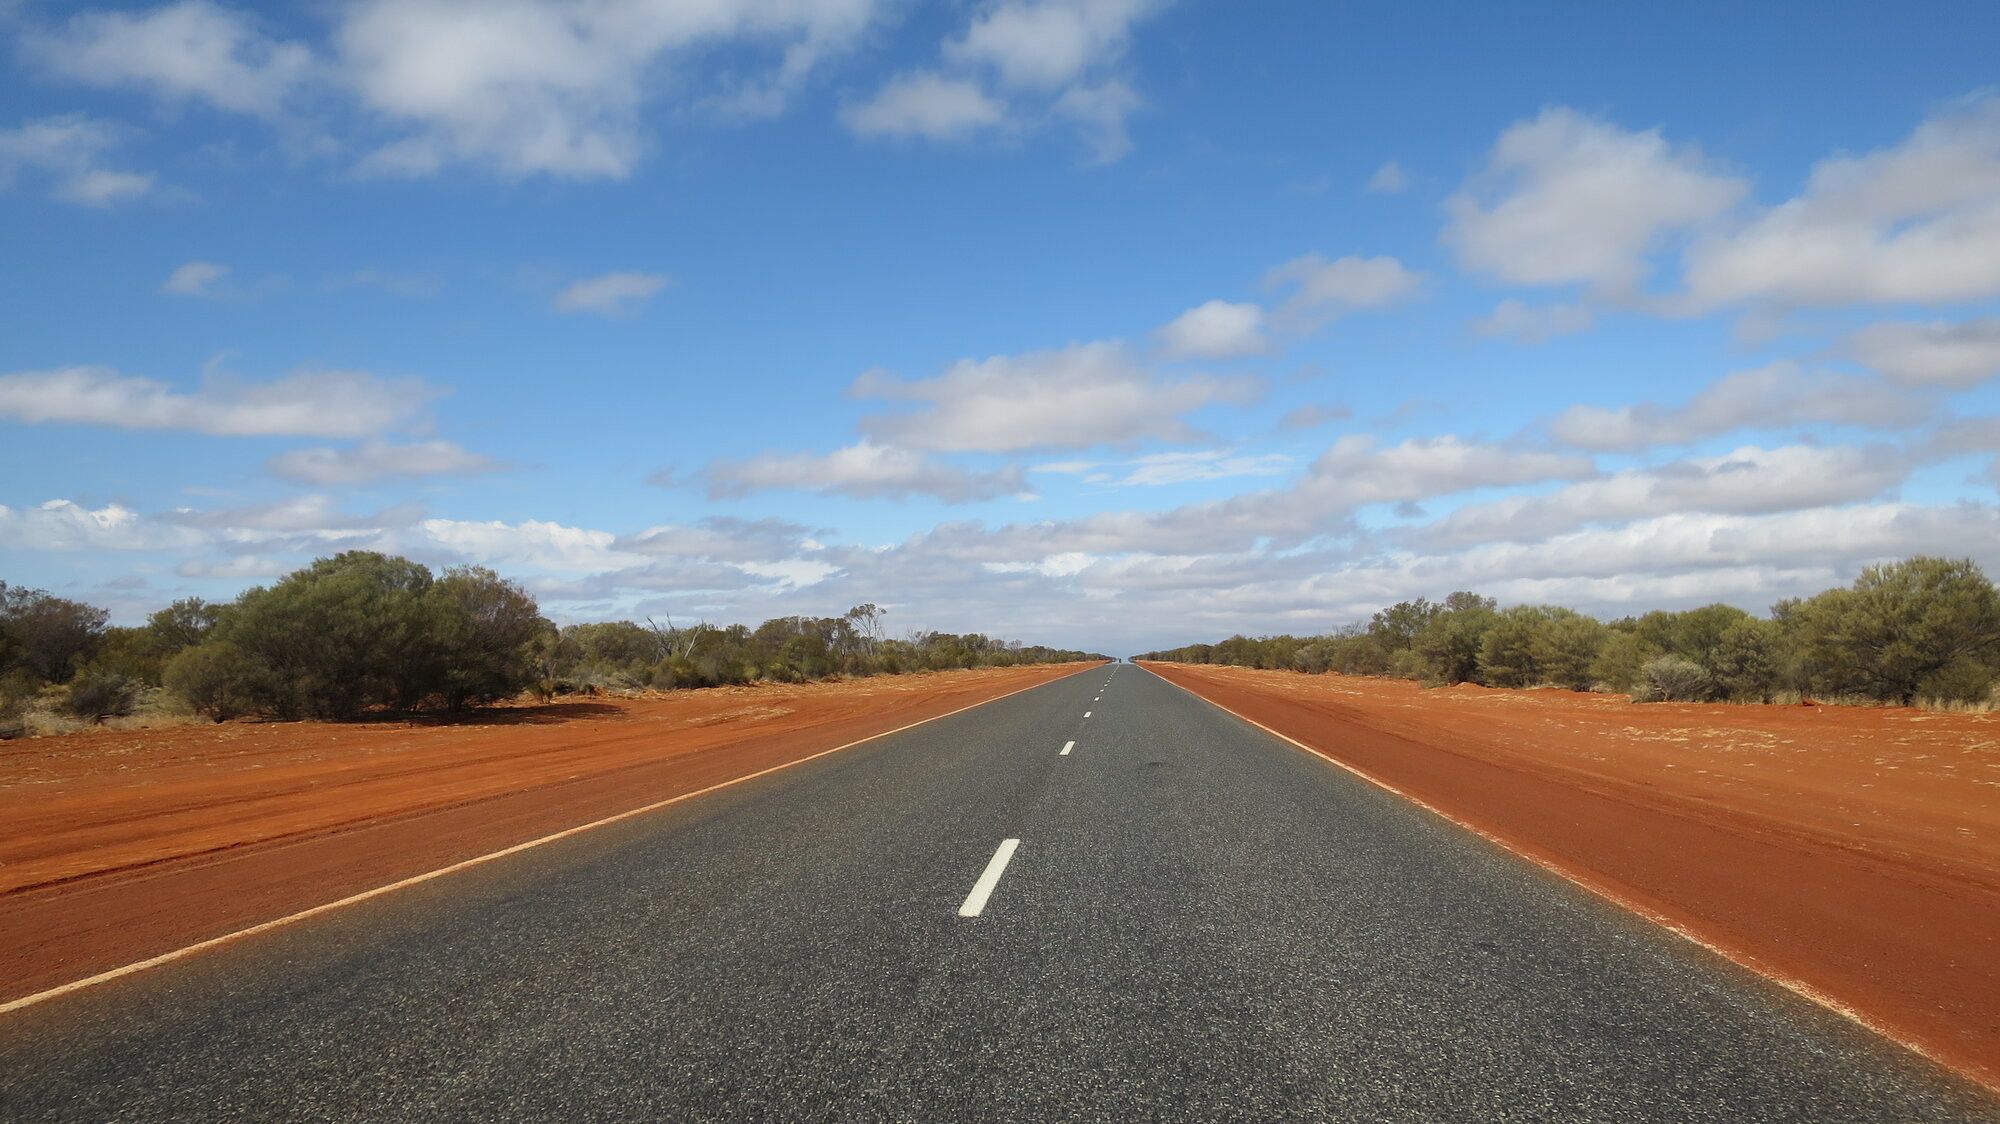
x,y
118,846
1852,852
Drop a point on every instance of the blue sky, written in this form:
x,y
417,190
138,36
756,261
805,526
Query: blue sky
x,y
1104,322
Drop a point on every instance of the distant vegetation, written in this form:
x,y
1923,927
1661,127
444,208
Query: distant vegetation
x,y
363,632
1926,630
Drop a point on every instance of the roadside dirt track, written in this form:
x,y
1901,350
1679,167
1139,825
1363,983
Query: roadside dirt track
x,y
120,845
1853,851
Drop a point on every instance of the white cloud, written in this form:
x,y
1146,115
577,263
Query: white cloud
x,y
1917,223
533,86
1569,199
1019,63
925,105
67,151
1389,179
864,470
1214,330
1937,353
1068,398
1322,290
1777,396
374,461
1749,480
305,404
1047,44
195,279
1518,320
65,525
1099,112
188,50
618,293
1156,469
536,543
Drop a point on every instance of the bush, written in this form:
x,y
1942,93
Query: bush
x,y
1673,679
1409,664
97,695
217,679
1961,681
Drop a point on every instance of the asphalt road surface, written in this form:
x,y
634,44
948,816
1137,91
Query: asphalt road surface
x,y
1197,922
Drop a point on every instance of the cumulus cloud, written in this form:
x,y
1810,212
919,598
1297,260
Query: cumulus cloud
x,y
619,293
1937,353
1067,398
187,51
1319,291
1518,320
1916,223
1216,329
305,404
1018,63
542,87
65,525
67,152
374,461
1568,199
1749,480
1047,44
1157,469
864,470
1772,397
925,105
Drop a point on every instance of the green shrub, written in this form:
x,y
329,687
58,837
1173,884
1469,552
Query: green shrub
x,y
1673,679
220,681
97,695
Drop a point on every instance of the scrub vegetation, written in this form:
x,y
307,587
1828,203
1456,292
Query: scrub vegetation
x,y
363,633
1925,631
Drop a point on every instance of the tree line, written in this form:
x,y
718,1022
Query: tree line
x,y
1921,630
366,632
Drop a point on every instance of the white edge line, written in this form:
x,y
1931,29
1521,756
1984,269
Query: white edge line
x,y
975,902
478,860
1792,984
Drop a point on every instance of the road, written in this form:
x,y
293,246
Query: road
x,y
1197,922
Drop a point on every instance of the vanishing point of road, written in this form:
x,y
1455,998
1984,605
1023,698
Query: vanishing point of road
x,y
1100,899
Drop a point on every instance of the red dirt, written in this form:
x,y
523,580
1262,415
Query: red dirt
x,y
120,846
1853,851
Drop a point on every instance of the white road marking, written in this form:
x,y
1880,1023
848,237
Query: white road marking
x,y
415,879
1086,714
1067,746
988,878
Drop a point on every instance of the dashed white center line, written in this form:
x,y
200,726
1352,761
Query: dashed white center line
x,y
1067,746
988,878
1086,714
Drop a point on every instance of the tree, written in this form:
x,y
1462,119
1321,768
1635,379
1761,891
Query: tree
x,y
1900,630
1507,647
1396,628
49,636
489,633
344,634
1450,642
1565,649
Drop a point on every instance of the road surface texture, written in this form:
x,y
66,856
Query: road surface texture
x,y
1198,922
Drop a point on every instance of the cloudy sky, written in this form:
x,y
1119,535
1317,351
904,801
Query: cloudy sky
x,y
1114,323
